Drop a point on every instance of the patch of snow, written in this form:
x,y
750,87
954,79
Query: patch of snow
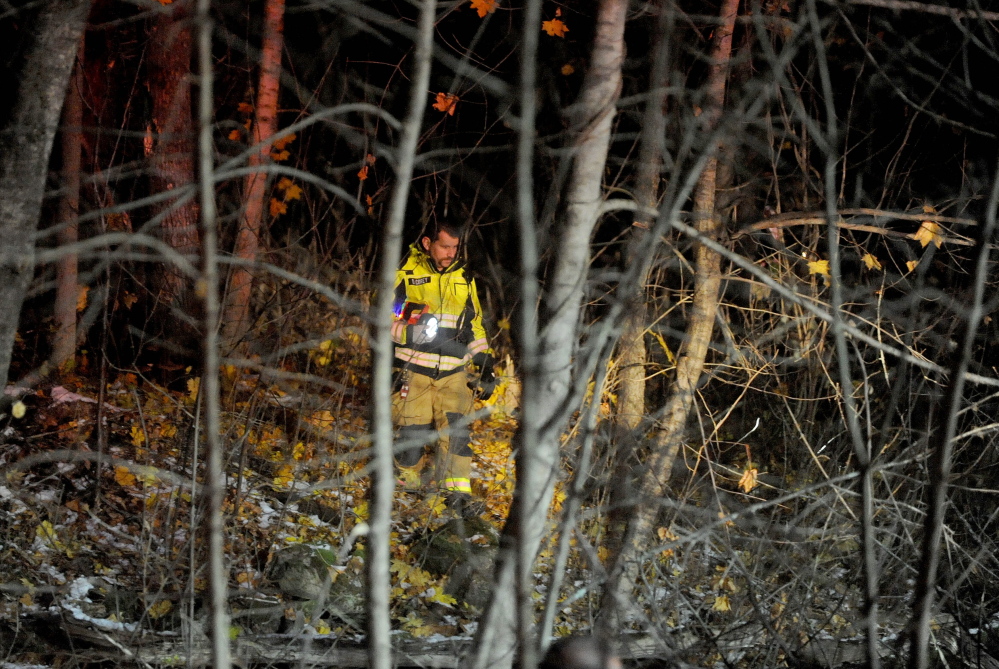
x,y
16,390
99,623
78,590
16,665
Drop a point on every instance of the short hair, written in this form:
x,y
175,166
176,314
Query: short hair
x,y
436,227
579,652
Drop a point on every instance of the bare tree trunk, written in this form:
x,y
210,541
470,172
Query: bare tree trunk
x,y
218,574
25,146
691,361
67,290
549,374
237,306
170,46
383,482
631,356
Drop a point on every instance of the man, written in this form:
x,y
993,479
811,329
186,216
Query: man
x,y
440,342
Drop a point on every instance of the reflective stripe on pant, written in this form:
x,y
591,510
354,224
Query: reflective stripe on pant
x,y
441,403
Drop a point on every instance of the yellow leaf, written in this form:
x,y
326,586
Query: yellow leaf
x,y
81,297
278,207
928,232
503,324
160,608
928,209
18,410
446,102
26,600
323,628
484,7
138,436
567,69
193,385
871,261
721,604
818,267
748,480
555,28
911,264
123,476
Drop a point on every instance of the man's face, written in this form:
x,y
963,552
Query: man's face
x,y
441,250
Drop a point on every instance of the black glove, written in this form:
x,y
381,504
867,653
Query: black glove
x,y
423,331
485,384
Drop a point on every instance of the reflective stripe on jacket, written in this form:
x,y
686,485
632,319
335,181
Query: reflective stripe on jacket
x,y
451,296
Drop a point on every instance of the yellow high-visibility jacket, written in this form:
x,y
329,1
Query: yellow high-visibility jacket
x,y
450,295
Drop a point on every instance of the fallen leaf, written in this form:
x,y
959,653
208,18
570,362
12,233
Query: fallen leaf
x,y
123,476
555,28
160,608
721,604
484,7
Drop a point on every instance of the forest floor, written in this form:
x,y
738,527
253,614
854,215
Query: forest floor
x,y
101,492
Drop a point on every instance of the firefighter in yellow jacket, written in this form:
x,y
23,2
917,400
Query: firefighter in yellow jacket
x,y
442,361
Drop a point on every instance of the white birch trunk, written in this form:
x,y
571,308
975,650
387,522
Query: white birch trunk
x,y
549,376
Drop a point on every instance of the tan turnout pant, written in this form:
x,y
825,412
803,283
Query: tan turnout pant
x,y
429,419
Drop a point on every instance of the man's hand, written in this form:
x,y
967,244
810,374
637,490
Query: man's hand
x,y
485,384
423,331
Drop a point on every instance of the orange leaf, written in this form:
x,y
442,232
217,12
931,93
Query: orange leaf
x,y
446,102
278,207
363,173
282,142
370,159
484,7
245,107
568,69
292,192
235,135
555,28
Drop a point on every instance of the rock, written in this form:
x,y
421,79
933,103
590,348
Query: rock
x,y
301,571
468,565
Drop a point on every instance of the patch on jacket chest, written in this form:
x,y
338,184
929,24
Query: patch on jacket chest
x,y
419,282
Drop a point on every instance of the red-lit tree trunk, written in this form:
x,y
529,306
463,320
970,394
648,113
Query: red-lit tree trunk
x,y
67,290
25,145
237,306
173,149
707,283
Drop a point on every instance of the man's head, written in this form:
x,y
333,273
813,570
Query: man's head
x,y
579,652
441,244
